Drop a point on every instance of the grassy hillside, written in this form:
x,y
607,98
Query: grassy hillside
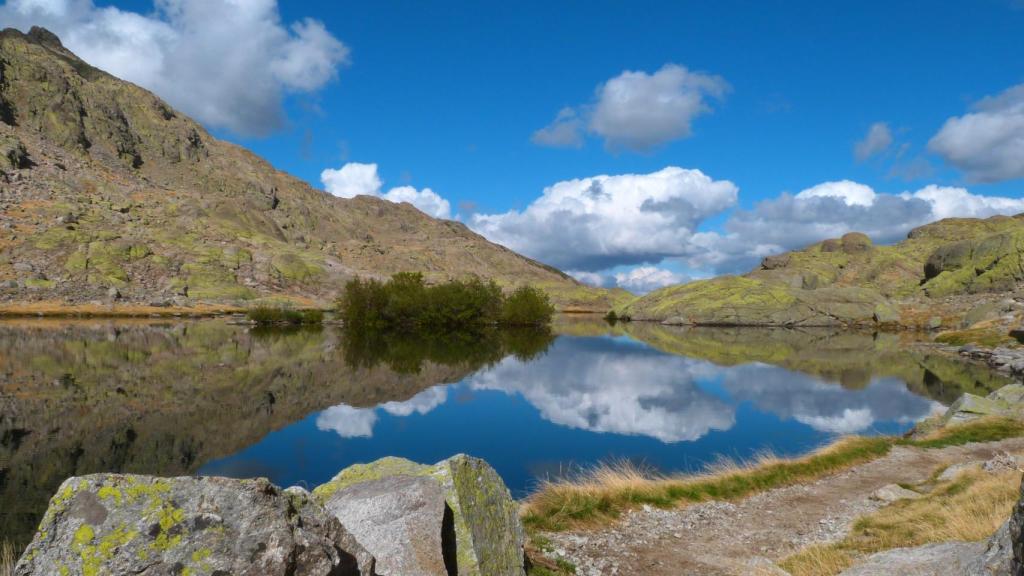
x,y
933,277
108,191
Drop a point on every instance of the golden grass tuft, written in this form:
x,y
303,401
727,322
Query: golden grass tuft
x,y
971,507
8,558
598,496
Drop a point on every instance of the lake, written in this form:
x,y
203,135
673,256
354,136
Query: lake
x,y
297,406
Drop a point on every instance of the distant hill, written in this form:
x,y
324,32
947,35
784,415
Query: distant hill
x,y
108,192
935,278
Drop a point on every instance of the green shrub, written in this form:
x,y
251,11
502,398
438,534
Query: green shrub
x,y
267,315
406,303
527,306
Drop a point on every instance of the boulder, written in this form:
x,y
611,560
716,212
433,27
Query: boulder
x,y
12,154
855,242
1007,402
128,524
885,313
478,523
404,520
893,492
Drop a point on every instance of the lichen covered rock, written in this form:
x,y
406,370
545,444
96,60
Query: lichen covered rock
x,y
127,524
488,537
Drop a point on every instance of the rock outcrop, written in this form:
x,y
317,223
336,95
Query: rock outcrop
x,y
1007,402
931,279
388,518
462,499
159,205
125,524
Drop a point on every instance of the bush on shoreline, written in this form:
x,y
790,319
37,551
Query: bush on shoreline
x,y
406,303
265,315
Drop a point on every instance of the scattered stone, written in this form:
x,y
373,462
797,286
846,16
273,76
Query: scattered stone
x,y
956,469
113,293
892,492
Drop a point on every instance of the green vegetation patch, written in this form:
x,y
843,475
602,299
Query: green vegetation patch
x,y
406,303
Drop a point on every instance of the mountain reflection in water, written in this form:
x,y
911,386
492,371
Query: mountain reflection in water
x,y
297,406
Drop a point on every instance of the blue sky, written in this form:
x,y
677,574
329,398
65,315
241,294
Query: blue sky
x,y
771,96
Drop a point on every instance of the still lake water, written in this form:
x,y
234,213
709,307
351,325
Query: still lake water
x,y
209,397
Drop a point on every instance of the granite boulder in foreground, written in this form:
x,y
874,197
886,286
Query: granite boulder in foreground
x,y
391,517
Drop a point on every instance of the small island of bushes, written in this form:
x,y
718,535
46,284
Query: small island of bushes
x,y
407,303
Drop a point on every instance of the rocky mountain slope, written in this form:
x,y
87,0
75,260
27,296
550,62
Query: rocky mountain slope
x,y
108,192
933,279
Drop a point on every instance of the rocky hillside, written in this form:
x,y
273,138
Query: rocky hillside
x,y
107,192
932,279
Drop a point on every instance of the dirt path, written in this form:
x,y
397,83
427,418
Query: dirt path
x,y
723,538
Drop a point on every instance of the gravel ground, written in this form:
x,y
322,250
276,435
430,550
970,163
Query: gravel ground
x,y
746,537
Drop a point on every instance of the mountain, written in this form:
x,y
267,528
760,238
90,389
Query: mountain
x,y
950,273
108,192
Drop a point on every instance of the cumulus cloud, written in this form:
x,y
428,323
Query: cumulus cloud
x,y
566,131
830,210
590,224
644,279
351,180
357,179
638,111
877,140
988,142
851,193
228,63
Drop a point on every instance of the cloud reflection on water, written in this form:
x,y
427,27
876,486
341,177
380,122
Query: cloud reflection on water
x,y
616,387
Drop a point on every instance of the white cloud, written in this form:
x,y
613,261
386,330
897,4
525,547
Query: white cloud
x,y
876,141
590,224
851,193
351,180
355,179
566,131
987,143
830,210
588,278
426,200
638,111
644,279
228,63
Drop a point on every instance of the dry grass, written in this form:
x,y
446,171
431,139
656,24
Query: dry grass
x,y
8,557
969,508
50,308
598,496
